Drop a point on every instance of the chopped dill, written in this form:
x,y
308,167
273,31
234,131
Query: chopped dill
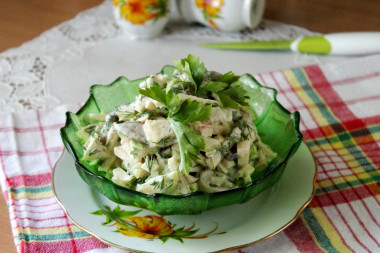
x,y
232,157
107,126
223,149
246,130
93,152
149,160
89,129
140,115
168,184
151,114
101,162
159,184
232,138
163,142
177,89
218,169
125,114
134,153
136,181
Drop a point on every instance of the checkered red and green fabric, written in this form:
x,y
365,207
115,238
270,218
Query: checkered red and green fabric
x,y
339,105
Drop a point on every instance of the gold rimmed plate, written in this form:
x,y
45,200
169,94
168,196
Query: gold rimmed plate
x,y
220,229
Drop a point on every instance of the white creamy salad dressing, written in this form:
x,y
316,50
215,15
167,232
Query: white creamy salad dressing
x,y
141,145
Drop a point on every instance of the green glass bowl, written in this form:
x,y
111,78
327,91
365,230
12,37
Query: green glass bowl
x,y
277,127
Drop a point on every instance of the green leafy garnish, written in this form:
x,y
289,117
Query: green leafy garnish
x,y
228,101
185,112
233,97
228,78
190,144
227,90
193,68
191,111
180,114
211,86
237,93
154,92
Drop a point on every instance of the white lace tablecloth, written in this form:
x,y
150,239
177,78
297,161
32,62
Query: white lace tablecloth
x,y
44,77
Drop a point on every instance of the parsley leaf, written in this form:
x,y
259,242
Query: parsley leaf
x,y
189,144
228,90
212,87
170,100
197,69
233,97
183,66
154,92
229,78
180,114
237,93
191,111
187,111
228,102
173,103
193,68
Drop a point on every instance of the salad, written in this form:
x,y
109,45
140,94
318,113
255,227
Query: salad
x,y
192,131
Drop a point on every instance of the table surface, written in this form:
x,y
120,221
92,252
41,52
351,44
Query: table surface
x,y
324,16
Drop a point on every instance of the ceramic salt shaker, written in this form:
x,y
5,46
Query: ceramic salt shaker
x,y
141,19
224,15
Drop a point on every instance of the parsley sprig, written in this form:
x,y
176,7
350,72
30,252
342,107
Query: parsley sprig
x,y
190,144
193,68
185,112
227,90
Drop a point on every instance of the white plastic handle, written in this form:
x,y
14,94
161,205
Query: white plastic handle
x,y
354,43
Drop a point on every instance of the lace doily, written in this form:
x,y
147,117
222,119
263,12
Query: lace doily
x,y
24,71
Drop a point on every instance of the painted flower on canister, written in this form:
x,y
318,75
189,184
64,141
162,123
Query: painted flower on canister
x,y
149,226
210,9
140,11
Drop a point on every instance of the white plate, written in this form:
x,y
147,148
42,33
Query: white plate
x,y
237,226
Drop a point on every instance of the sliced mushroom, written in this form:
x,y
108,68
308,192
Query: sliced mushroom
x,y
132,130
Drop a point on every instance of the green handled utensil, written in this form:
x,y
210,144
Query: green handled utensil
x,y
352,43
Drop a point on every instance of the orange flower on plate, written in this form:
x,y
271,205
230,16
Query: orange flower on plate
x,y
149,227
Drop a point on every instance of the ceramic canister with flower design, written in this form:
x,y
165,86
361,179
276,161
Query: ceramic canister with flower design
x,y
141,18
224,15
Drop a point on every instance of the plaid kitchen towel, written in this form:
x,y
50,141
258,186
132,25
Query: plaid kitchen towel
x,y
30,145
340,120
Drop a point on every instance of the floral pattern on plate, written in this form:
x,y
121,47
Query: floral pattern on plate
x,y
149,226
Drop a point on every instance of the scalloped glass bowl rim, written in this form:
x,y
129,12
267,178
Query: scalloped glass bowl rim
x,y
295,115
